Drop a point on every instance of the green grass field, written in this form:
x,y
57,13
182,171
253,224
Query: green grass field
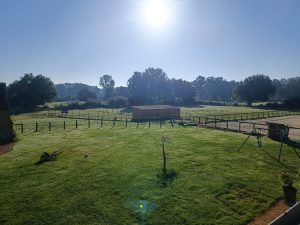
x,y
114,176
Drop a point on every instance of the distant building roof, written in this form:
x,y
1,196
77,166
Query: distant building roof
x,y
147,107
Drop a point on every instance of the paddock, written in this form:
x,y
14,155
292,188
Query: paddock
x,y
247,126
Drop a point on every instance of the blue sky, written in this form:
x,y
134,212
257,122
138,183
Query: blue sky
x,y
80,40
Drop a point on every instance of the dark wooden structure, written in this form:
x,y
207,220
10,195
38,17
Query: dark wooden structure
x,y
278,132
6,129
155,112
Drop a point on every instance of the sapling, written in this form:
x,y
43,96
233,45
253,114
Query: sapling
x,y
164,140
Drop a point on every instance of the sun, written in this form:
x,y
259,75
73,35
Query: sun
x,y
156,13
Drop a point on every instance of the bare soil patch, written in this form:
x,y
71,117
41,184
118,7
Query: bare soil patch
x,y
271,214
247,126
6,148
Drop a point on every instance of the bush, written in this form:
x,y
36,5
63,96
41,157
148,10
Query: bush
x,y
117,102
292,103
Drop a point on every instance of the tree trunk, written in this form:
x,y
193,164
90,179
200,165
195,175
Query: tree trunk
x,y
164,156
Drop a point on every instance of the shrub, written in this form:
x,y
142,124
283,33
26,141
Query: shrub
x,y
117,102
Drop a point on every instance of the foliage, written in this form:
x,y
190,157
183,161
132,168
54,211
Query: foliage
x,y
255,88
85,94
117,102
214,88
287,88
30,91
69,91
108,84
121,91
287,178
183,92
154,87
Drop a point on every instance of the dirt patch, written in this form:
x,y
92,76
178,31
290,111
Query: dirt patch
x,y
271,214
6,148
248,126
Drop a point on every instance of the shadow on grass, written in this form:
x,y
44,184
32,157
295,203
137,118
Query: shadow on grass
x,y
166,177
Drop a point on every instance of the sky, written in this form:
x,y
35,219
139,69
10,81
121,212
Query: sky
x,y
81,40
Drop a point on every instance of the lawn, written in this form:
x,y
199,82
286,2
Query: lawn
x,y
114,176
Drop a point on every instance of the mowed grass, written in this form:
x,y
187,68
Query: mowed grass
x,y
104,173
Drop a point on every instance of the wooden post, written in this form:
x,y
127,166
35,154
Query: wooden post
x,y
49,125
22,128
76,124
227,125
199,120
126,122
36,127
114,122
215,122
193,119
89,123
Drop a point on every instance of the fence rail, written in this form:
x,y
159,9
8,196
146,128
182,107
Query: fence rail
x,y
238,116
87,123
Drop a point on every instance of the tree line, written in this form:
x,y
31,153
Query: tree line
x,y
153,86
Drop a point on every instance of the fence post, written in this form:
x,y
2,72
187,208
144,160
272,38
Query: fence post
x,y
89,123
193,119
22,128
36,127
76,124
126,122
49,126
64,125
199,120
114,122
227,125
215,122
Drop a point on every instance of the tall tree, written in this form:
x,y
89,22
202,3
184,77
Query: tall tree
x,y
85,94
255,88
108,84
183,92
149,87
30,91
214,88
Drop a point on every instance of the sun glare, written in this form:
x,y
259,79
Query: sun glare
x,y
156,12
